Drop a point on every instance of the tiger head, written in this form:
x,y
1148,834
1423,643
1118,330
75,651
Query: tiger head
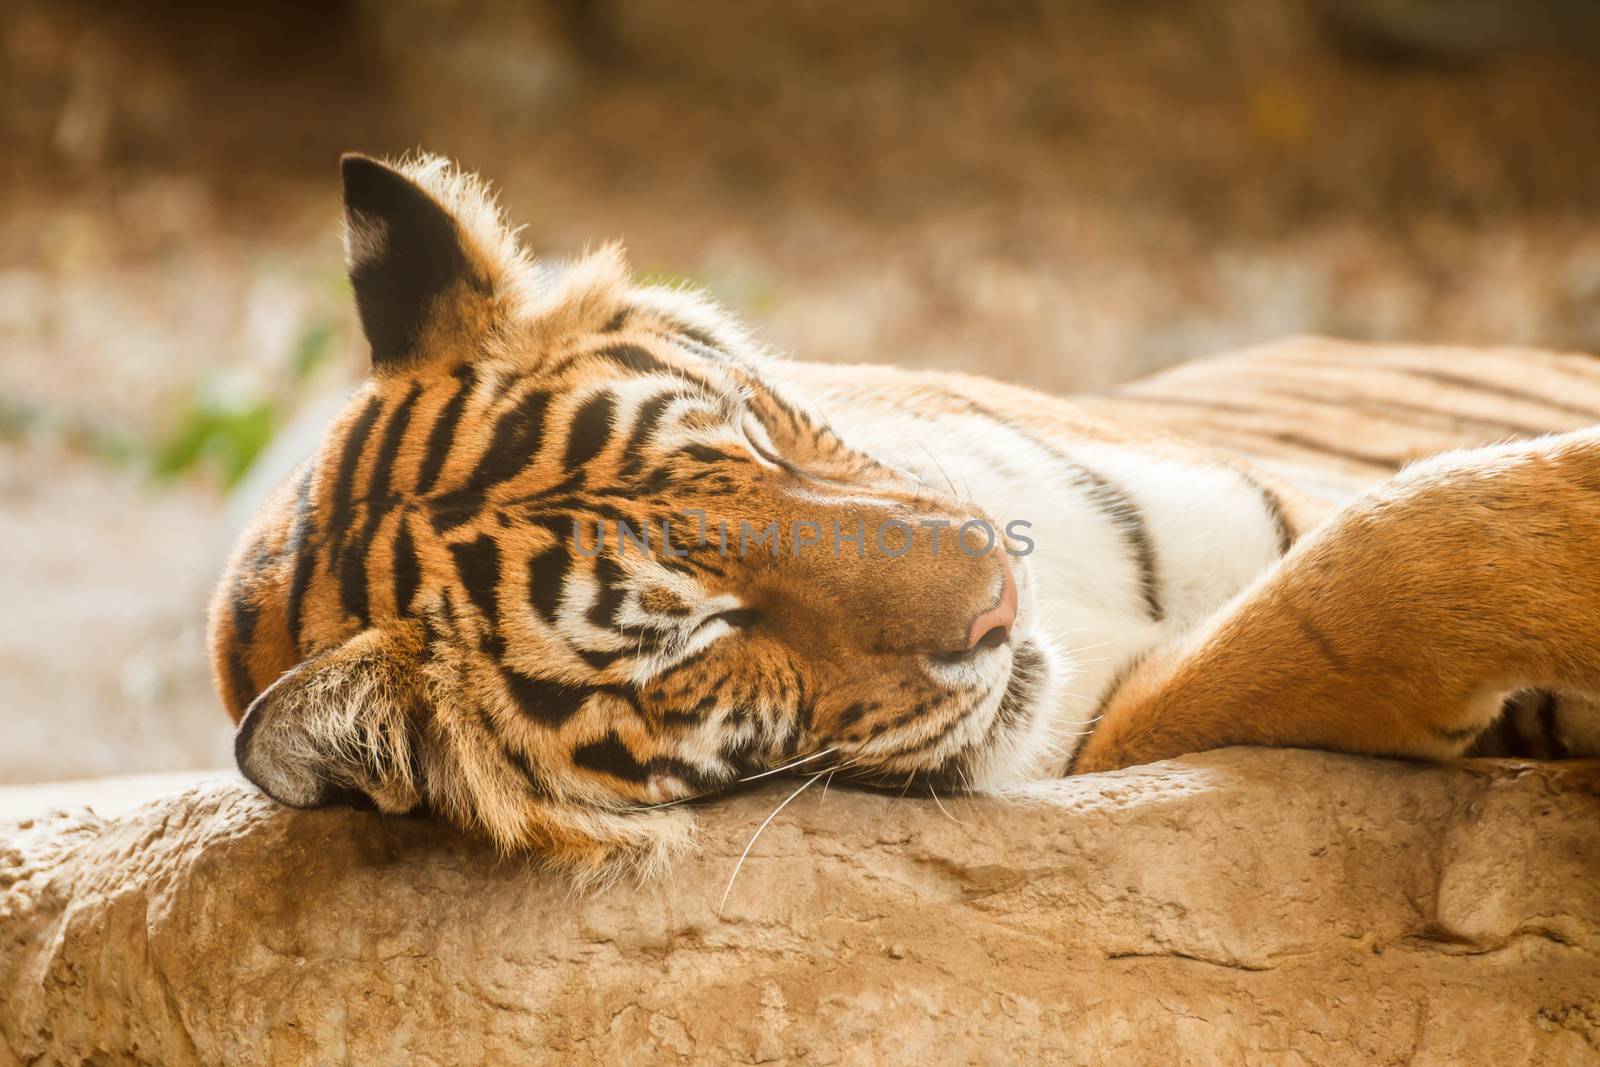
x,y
571,553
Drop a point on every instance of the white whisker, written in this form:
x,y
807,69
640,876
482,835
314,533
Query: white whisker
x,y
787,766
740,865
940,466
942,808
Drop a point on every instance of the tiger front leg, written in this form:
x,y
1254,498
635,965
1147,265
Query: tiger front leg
x,y
1397,627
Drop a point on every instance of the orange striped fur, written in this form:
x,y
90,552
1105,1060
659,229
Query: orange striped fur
x,y
421,616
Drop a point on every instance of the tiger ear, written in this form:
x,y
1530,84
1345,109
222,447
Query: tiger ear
x,y
431,262
346,722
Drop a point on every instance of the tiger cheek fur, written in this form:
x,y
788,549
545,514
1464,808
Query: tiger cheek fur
x,y
545,571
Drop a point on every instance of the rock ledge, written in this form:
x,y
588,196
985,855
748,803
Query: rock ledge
x,y
1241,906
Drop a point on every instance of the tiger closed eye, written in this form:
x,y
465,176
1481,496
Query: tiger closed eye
x,y
761,449
761,444
738,618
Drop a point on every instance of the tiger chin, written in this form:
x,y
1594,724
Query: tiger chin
x,y
578,549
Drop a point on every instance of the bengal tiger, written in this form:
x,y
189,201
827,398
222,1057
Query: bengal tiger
x,y
580,548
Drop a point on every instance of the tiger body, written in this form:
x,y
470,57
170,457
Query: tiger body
x,y
1138,536
431,612
1176,491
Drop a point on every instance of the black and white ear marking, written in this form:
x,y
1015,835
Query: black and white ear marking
x,y
406,257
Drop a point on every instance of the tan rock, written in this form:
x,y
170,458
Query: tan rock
x,y
1236,907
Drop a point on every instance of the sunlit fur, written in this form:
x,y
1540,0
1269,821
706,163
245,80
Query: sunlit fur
x,y
419,616
415,617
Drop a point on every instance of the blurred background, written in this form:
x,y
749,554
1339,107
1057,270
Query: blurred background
x,y
1068,194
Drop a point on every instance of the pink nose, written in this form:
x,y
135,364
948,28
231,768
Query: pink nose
x,y
993,627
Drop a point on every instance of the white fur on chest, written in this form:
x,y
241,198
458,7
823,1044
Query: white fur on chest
x,y
1209,531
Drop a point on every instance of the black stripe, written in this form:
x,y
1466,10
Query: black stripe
x,y
1275,512
547,575
545,699
302,547
742,757
1548,705
535,781
352,557
1510,738
616,322
346,551
696,779
305,565
1118,507
245,616
352,554
1320,640
692,660
796,419
1021,693
805,713
635,359
598,659
1476,385
610,756
699,337
566,510
454,509
1496,739
644,424
514,442
706,454
406,568
555,496
517,760
355,442
590,429
1509,734
478,565
916,745
380,485
638,359
1308,444
1112,502
1421,416
1287,437
442,435
676,719
654,483
608,603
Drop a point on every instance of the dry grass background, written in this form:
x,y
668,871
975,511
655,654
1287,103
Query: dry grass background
x,y
1068,194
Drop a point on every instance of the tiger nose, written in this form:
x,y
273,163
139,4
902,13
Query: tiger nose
x,y
992,628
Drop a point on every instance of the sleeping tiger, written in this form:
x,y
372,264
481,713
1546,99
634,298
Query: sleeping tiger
x,y
579,548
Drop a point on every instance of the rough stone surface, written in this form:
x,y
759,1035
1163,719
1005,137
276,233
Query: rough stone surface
x,y
1237,907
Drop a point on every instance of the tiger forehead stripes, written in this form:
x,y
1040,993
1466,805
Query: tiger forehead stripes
x,y
515,583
